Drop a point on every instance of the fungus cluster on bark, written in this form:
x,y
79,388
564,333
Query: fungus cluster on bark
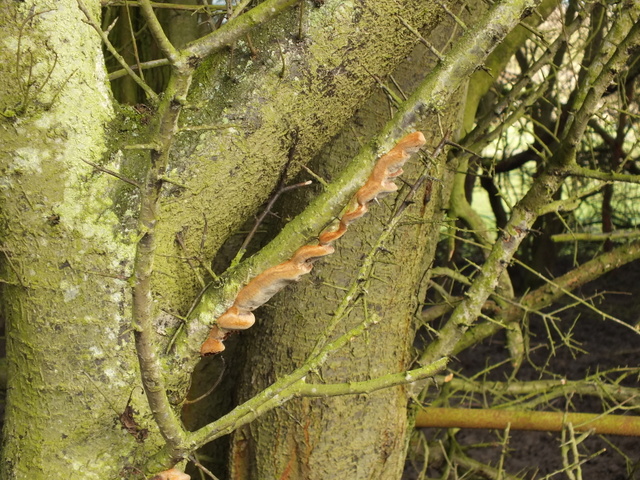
x,y
171,474
265,285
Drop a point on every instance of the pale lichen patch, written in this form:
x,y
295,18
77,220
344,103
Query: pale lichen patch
x,y
69,292
27,160
96,351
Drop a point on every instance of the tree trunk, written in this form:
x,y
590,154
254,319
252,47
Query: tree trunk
x,y
67,257
69,235
361,436
71,172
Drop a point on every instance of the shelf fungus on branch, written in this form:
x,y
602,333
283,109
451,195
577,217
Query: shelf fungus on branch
x,y
171,474
265,285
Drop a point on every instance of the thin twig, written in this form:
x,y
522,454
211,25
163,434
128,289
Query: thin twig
x,y
372,385
204,128
158,32
234,29
169,6
423,40
180,241
212,388
390,93
238,10
452,15
152,370
317,177
264,213
134,43
280,190
408,200
112,173
15,270
397,85
96,26
201,467
570,294
142,66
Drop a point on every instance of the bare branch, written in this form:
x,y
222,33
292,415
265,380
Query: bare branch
x,y
112,173
168,6
550,292
144,66
231,31
158,32
96,26
368,386
526,420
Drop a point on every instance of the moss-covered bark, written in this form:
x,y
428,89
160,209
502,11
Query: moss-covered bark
x,y
66,258
68,239
69,229
361,436
309,86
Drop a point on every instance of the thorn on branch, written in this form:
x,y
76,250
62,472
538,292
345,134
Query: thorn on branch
x,y
423,40
183,246
112,173
395,100
452,15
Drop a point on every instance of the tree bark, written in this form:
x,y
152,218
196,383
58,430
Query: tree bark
x,y
307,437
69,238
70,206
66,256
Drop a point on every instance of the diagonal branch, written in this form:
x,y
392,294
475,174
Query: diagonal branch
x,y
540,194
368,386
231,31
142,66
158,32
441,84
551,292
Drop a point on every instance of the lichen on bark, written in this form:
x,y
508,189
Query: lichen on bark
x,y
66,300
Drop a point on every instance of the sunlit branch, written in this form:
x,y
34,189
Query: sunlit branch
x,y
528,209
596,237
368,386
584,172
527,420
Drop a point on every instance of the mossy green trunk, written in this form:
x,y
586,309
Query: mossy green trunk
x,y
354,436
66,256
68,230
